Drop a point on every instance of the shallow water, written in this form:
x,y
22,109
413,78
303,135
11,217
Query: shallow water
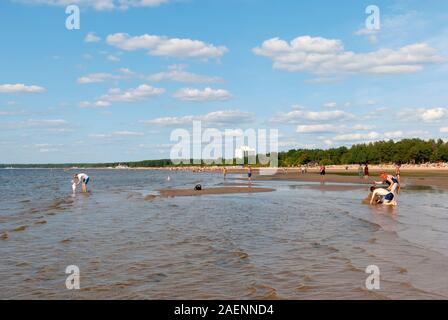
x,y
294,243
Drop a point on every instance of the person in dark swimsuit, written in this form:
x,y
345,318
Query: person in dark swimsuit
x,y
366,170
322,170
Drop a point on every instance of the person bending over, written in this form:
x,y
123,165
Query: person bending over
x,y
383,196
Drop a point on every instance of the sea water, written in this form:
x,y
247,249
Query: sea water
x,y
297,242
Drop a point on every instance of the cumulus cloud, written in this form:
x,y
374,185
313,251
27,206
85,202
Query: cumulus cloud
x,y
95,104
20,88
178,73
100,5
321,56
365,127
218,118
91,37
317,128
45,123
127,133
357,136
95,78
376,136
297,116
142,92
435,114
116,134
330,105
208,94
122,73
51,125
424,114
166,47
444,130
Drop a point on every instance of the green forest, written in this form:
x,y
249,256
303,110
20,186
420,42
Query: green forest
x,y
404,151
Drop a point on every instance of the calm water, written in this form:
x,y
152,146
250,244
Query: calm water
x,y
294,243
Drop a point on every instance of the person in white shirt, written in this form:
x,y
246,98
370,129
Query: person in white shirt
x,y
82,178
383,196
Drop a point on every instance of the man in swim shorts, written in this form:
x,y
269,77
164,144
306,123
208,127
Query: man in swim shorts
x,y
82,178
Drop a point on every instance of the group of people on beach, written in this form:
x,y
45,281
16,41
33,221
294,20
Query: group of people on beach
x,y
378,195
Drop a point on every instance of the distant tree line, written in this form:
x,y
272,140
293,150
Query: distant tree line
x,y
404,151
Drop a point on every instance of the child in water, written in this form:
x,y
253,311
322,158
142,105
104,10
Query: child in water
x,y
74,185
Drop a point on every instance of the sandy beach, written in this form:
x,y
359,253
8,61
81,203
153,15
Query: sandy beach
x,y
221,190
339,177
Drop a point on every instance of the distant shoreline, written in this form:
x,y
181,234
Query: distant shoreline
x,y
232,168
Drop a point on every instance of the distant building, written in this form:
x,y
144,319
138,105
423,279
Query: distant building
x,y
121,166
244,152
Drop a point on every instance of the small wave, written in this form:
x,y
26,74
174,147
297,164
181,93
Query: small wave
x,y
21,228
262,292
240,254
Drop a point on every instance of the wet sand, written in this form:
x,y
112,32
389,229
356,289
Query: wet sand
x,y
410,179
221,190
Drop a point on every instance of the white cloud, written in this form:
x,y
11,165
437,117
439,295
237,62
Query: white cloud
x,y
434,114
297,116
124,73
208,94
13,112
45,123
116,134
127,133
43,150
95,78
112,58
376,136
365,31
100,5
421,114
363,127
444,130
218,118
330,105
357,136
91,37
323,56
142,92
20,88
166,47
131,95
317,128
177,73
95,104
393,134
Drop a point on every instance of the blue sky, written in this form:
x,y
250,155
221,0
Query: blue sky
x,y
137,69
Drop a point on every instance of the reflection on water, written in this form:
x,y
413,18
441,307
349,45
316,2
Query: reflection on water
x,y
298,242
